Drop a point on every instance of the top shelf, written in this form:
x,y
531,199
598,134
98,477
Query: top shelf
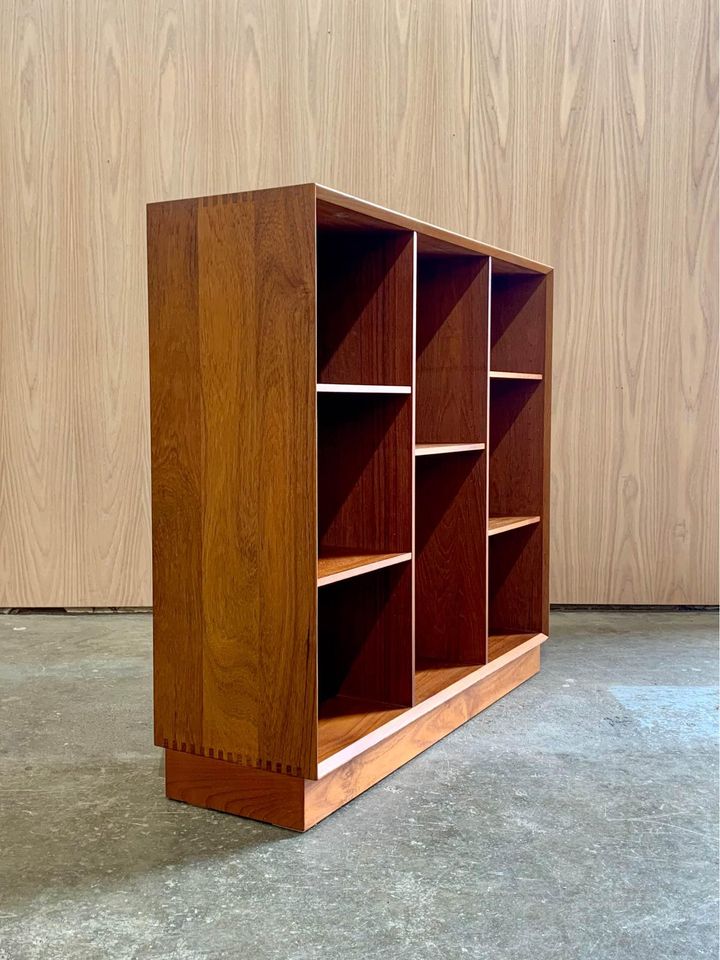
x,y
342,211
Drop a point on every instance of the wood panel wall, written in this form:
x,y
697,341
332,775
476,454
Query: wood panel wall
x,y
580,133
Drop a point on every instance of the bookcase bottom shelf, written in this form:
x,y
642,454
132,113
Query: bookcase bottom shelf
x,y
344,720
297,803
501,643
432,676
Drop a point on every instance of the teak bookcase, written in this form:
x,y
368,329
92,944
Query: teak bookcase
x,y
350,467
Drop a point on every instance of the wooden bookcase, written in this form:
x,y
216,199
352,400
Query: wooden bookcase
x,y
350,469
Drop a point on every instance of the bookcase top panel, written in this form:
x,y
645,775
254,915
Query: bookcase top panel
x,y
343,211
336,209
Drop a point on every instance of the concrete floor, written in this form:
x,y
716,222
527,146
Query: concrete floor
x,y
575,819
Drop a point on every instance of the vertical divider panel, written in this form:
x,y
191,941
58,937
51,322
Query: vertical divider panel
x,y
488,332
412,453
547,395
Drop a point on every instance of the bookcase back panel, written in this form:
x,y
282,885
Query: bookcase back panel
x,y
365,306
365,637
365,463
452,348
516,595
519,309
517,411
451,558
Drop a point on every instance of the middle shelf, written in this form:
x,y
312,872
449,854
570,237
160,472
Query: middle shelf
x,y
337,565
505,524
432,449
512,375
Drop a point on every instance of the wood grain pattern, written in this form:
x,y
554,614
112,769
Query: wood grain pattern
x,y
365,306
517,332
245,791
365,464
451,558
584,135
365,638
109,106
452,312
392,83
516,450
340,565
502,643
231,294
503,524
516,594
299,804
74,429
365,770
519,468
432,676
343,720
594,131
477,675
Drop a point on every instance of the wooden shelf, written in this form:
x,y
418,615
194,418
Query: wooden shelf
x,y
431,449
500,643
361,388
333,567
503,524
431,677
510,375
343,720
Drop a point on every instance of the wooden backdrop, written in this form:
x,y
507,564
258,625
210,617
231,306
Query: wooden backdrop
x,y
580,132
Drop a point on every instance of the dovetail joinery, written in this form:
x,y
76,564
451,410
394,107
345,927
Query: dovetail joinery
x,y
228,756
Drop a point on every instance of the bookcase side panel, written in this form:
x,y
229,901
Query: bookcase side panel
x,y
547,466
234,464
